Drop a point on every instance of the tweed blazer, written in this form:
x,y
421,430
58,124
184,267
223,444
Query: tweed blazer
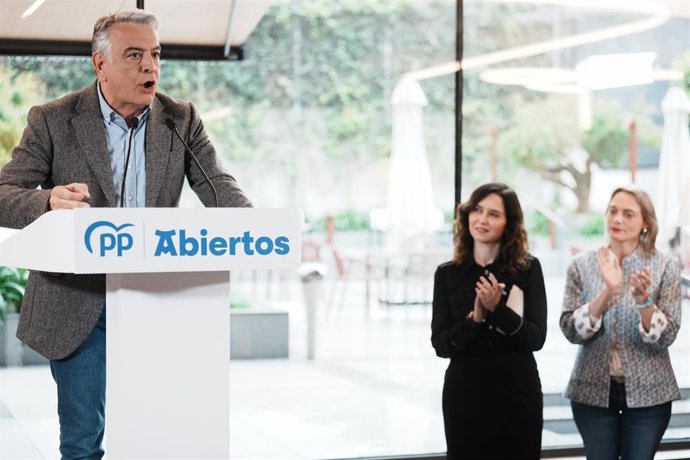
x,y
65,142
649,377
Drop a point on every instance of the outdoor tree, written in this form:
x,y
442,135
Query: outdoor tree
x,y
17,91
606,145
313,96
317,82
544,137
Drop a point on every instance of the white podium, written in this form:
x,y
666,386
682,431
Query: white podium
x,y
168,321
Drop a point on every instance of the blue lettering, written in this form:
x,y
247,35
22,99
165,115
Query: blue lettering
x,y
248,240
204,242
204,245
282,245
233,241
124,242
217,246
165,245
188,246
107,243
264,241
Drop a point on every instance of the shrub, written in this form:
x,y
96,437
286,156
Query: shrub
x,y
12,286
537,223
594,227
348,220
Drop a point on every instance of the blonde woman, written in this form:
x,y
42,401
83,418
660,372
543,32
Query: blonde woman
x,y
622,306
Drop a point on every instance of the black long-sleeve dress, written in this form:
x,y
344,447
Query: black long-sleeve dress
x,y
492,399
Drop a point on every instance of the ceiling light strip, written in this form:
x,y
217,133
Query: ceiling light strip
x,y
32,9
228,37
661,16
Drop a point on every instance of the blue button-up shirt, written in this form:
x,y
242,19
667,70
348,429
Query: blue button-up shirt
x,y
117,137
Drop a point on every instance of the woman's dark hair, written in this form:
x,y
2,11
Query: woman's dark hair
x,y
513,255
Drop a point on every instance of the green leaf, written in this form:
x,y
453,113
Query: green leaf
x,y
12,287
3,310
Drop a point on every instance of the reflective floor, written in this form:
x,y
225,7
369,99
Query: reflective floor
x,y
374,388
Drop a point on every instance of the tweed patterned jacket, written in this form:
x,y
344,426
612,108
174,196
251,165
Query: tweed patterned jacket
x,y
649,378
65,142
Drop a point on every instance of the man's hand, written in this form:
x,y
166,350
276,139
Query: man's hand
x,y
69,196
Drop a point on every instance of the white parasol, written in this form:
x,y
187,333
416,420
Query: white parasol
x,y
674,164
412,211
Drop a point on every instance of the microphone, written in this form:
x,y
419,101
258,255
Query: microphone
x,y
133,127
171,124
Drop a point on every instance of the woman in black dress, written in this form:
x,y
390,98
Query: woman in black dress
x,y
489,315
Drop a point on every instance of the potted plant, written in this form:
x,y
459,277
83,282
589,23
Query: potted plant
x,y
12,285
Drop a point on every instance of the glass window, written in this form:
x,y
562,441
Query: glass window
x,y
561,101
568,110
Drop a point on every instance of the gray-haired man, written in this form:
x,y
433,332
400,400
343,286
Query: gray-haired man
x,y
109,145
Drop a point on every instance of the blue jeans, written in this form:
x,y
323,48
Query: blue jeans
x,y
618,432
80,382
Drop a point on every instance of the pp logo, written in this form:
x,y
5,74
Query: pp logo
x,y
109,238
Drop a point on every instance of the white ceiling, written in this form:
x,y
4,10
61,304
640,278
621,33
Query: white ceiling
x,y
679,8
191,23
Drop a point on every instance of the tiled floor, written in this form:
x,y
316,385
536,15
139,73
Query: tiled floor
x,y
373,389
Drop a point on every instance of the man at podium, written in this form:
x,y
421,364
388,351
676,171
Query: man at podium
x,y
117,143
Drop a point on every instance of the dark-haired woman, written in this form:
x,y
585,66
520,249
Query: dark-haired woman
x,y
489,315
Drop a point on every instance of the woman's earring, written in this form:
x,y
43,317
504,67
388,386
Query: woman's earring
x,y
644,231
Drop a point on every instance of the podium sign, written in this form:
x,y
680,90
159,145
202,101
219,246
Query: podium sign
x,y
167,310
146,240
